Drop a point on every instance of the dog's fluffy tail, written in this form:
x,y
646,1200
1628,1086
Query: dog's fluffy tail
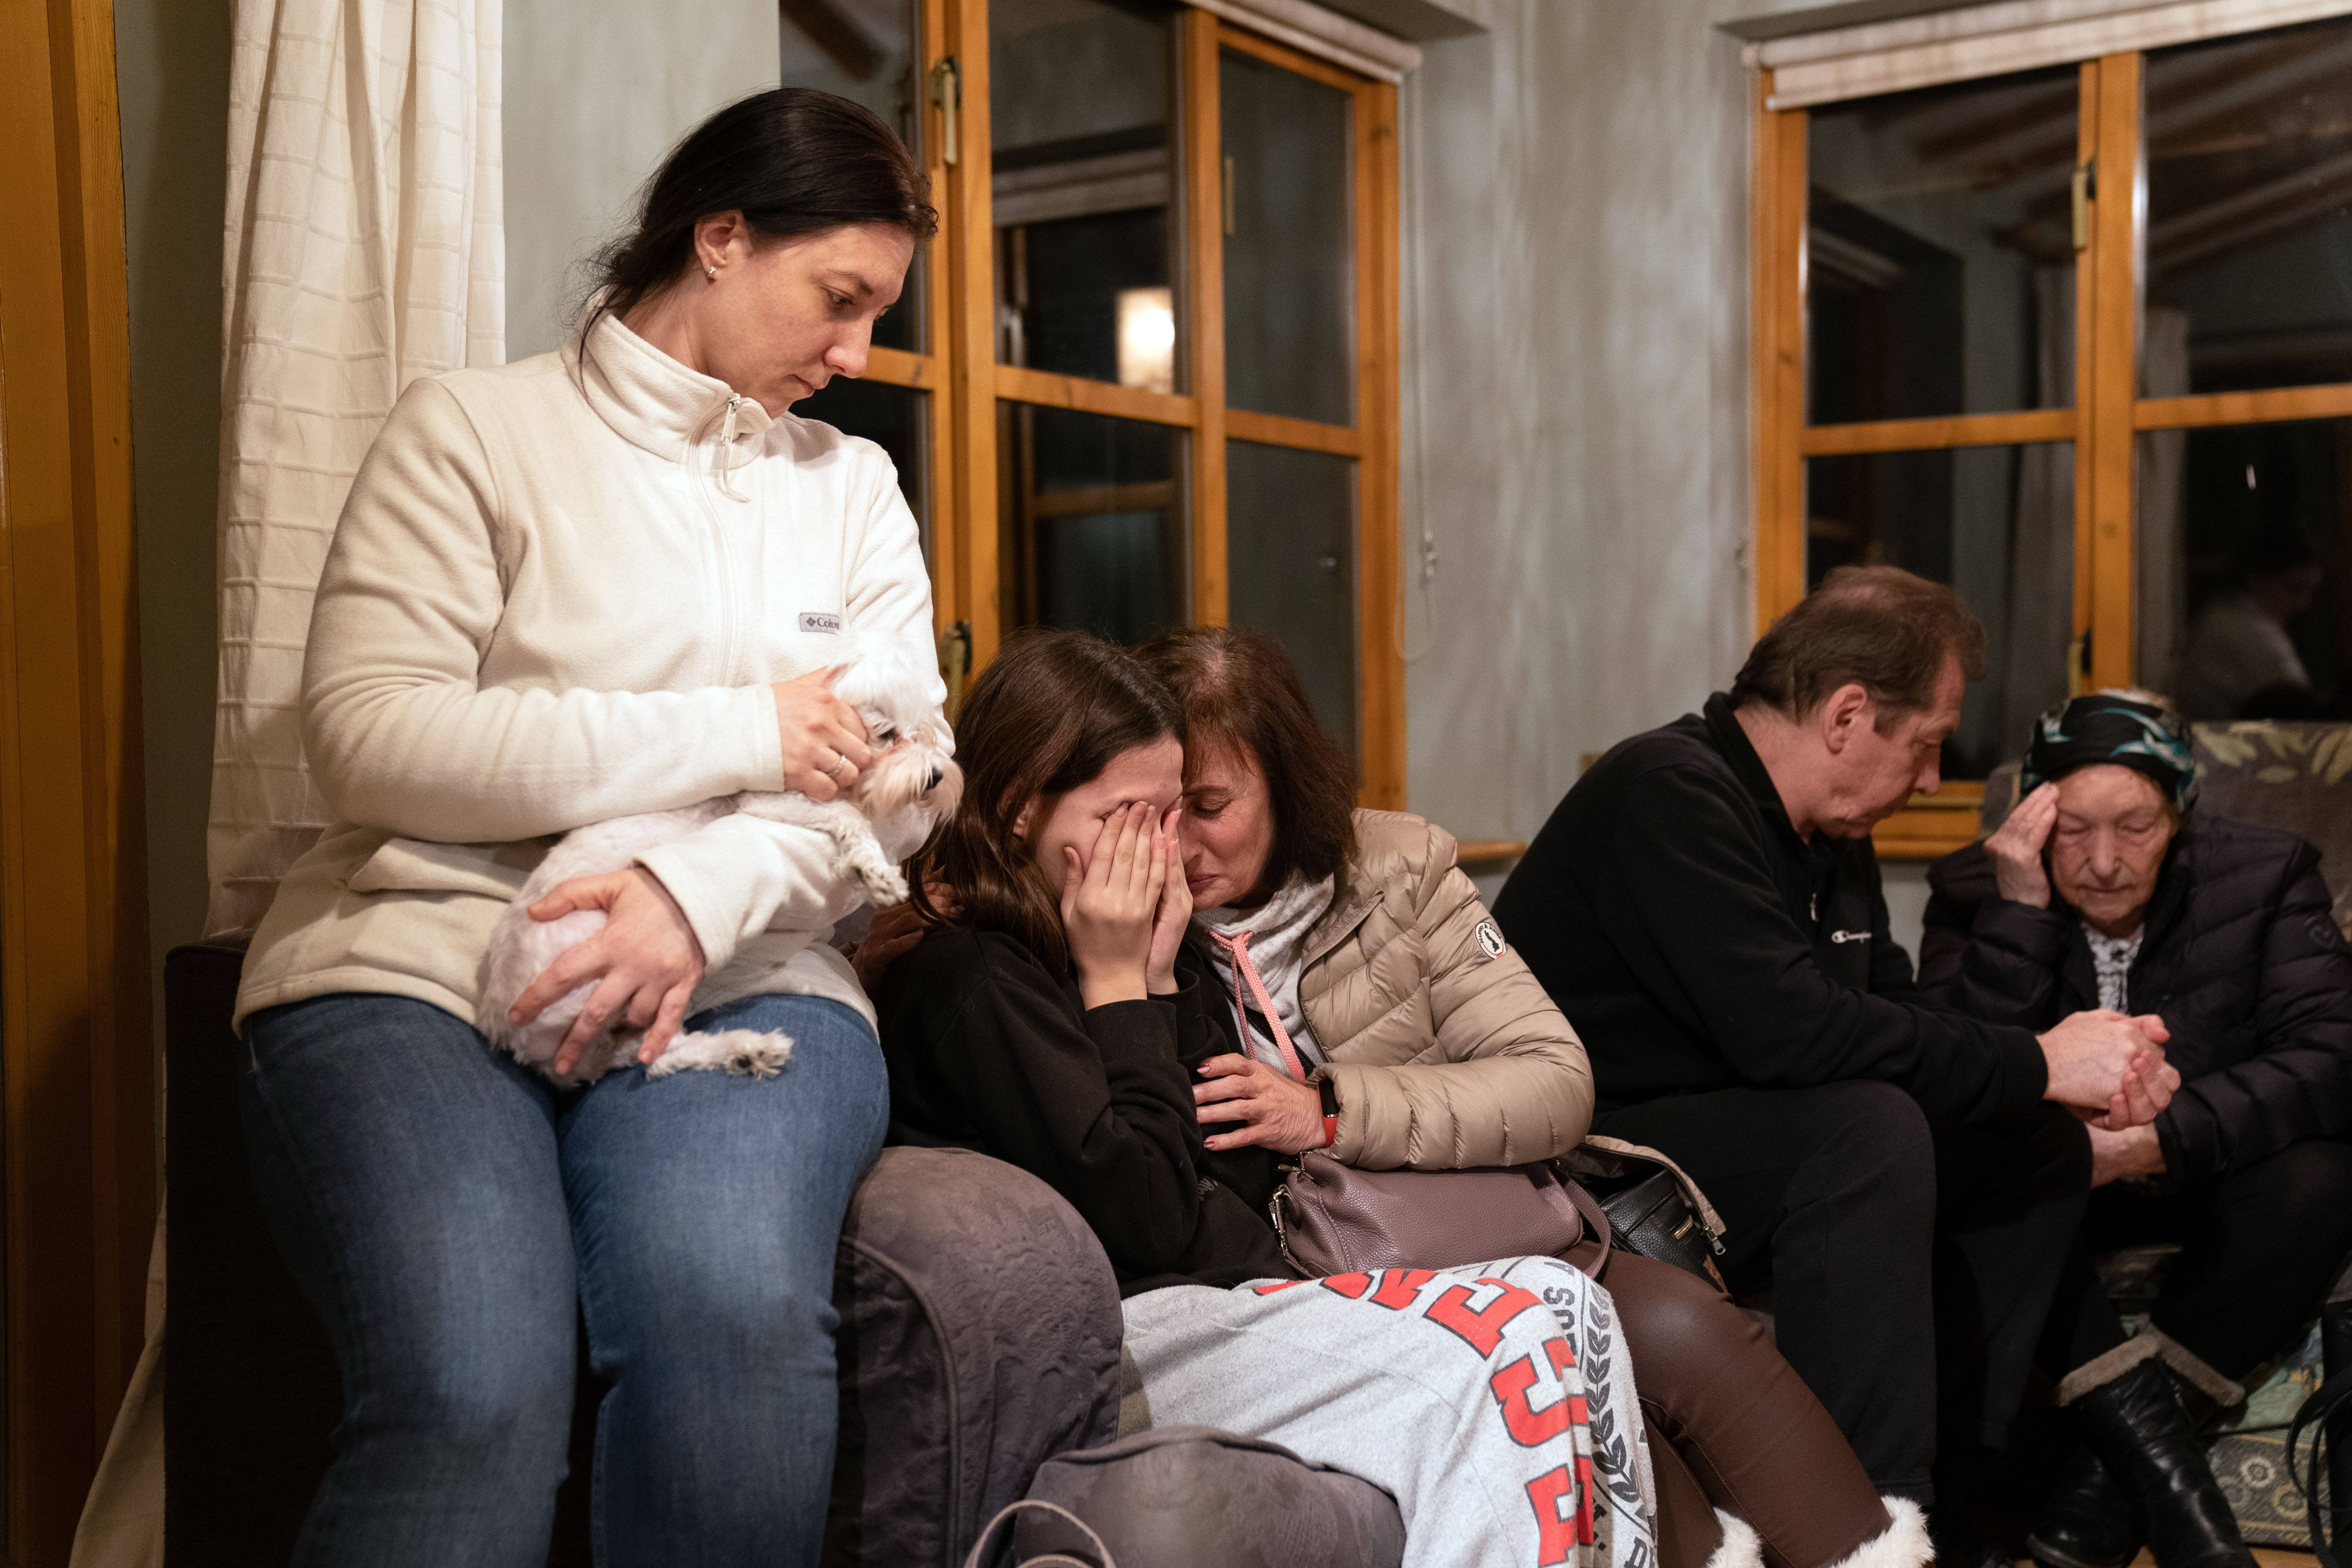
x,y
748,1052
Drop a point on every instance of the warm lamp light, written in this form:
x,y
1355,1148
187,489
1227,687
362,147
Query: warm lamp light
x,y
1146,339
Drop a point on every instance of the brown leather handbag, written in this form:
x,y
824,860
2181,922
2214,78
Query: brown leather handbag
x,y
1333,1220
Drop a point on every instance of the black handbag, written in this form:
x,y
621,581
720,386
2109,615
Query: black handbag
x,y
1653,1209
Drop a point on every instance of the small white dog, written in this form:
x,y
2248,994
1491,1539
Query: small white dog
x,y
886,815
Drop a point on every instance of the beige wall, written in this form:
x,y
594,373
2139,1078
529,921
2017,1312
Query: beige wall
x,y
596,91
1576,433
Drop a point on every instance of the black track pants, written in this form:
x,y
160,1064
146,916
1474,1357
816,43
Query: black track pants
x,y
1900,1257
2260,1247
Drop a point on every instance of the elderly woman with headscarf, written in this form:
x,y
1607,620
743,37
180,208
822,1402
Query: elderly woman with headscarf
x,y
2103,889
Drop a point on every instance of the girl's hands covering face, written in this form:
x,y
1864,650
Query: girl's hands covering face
x,y
1175,912
1110,903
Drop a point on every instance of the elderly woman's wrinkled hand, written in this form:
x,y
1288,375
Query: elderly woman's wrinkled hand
x,y
2117,1156
1280,1112
2016,848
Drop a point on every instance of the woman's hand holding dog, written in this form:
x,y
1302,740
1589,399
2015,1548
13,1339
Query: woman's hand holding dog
x,y
1110,905
646,959
820,734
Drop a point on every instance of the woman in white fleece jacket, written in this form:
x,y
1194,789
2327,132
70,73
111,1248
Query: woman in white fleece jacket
x,y
593,583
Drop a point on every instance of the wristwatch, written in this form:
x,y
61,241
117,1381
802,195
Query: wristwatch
x,y
1331,1096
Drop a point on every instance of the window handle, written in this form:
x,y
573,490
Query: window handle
x,y
947,92
2086,187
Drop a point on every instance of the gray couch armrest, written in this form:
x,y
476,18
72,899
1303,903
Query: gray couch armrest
x,y
980,1334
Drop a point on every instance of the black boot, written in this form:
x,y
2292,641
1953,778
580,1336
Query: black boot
x,y
2137,1425
2090,1521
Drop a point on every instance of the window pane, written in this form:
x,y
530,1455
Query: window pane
x,y
2249,212
1940,252
1290,297
1094,523
892,417
1290,563
1079,94
2244,610
1997,524
868,51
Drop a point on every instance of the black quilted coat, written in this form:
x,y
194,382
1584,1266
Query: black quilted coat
x,y
2240,958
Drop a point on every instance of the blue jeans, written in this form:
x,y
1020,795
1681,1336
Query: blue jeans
x,y
453,1217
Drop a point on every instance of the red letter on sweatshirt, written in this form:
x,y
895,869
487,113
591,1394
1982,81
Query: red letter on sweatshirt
x,y
1529,1427
1555,1536
1482,1330
1400,1286
1351,1286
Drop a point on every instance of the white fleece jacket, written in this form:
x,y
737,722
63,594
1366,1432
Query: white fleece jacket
x,y
558,593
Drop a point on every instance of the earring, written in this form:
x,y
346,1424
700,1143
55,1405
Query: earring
x,y
712,273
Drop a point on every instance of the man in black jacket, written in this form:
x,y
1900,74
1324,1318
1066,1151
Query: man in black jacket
x,y
1704,906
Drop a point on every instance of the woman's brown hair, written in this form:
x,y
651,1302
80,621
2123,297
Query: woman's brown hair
x,y
1240,690
793,161
1050,712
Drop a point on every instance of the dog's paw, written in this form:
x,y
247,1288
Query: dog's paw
x,y
748,1053
884,883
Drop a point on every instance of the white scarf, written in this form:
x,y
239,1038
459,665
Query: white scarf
x,y
1277,944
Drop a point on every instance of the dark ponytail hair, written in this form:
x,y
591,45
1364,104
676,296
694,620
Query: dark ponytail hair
x,y
1048,714
792,160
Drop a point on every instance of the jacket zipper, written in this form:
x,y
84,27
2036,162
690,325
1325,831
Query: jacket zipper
x,y
725,587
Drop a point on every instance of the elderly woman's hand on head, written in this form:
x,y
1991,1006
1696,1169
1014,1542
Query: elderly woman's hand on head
x,y
2016,848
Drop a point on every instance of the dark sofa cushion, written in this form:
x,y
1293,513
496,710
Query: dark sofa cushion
x,y
980,1334
1177,1497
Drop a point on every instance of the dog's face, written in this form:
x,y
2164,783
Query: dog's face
x,y
914,784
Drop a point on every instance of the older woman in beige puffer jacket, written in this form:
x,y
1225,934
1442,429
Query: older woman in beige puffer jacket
x,y
1442,1048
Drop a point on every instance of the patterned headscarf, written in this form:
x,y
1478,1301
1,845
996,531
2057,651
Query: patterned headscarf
x,y
2095,729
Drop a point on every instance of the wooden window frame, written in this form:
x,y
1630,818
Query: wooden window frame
x,y
2103,424
959,365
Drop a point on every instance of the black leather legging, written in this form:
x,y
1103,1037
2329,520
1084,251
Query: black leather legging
x,y
2262,1246
1752,1434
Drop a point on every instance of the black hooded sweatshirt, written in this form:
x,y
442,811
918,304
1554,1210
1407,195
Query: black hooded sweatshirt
x,y
2240,955
1697,943
988,1049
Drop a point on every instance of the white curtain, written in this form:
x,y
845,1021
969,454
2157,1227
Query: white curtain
x,y
365,249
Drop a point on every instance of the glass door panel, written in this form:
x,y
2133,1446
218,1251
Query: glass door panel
x,y
1094,523
1082,183
1290,265
1936,222
2249,212
1997,524
868,51
2245,607
1290,553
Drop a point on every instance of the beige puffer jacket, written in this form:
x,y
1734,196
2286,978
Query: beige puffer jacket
x,y
1444,1050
